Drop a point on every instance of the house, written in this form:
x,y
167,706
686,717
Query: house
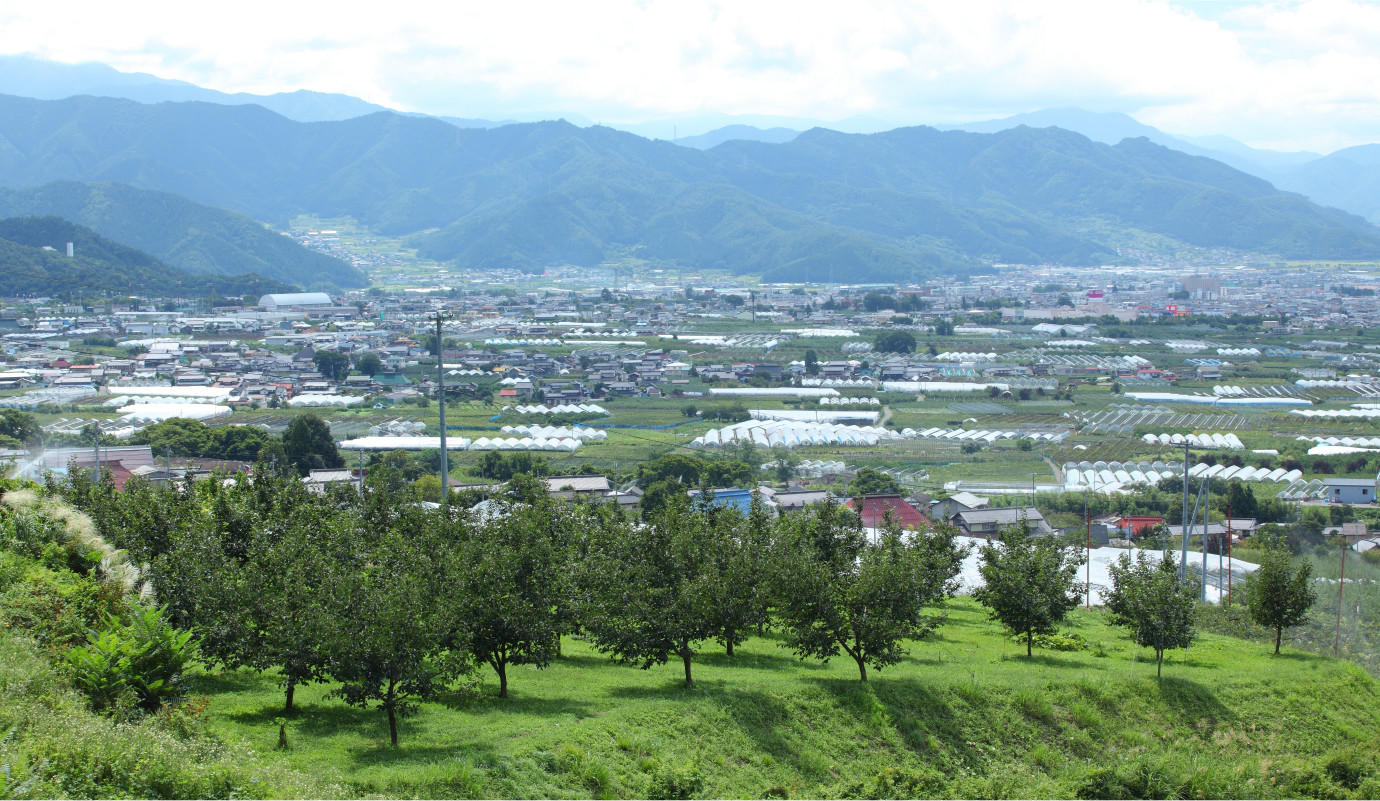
x,y
739,499
1352,532
873,509
1138,525
1349,490
990,522
958,502
567,487
798,499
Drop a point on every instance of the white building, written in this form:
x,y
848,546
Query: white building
x,y
306,301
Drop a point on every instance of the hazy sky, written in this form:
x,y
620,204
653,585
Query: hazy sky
x,y
1287,75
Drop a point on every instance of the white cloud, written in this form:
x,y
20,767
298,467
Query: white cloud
x,y
1297,73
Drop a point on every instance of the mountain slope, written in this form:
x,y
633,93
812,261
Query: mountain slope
x,y
193,237
728,133
98,264
1112,127
1348,179
907,202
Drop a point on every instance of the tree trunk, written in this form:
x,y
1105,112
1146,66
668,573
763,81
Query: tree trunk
x,y
728,642
685,655
559,652
862,668
291,687
502,668
1159,663
390,702
1028,637
1279,635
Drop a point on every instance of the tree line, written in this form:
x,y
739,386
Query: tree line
x,y
394,600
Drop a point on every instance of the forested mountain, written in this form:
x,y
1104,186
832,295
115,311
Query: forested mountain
x,y
911,201
99,264
188,235
1348,179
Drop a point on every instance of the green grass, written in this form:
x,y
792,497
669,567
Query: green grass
x,y
965,715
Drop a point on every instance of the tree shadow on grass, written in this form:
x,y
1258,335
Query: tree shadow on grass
x,y
1050,660
1193,700
916,709
231,681
516,703
756,661
579,661
1301,656
381,753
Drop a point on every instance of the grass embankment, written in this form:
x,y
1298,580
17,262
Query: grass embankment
x,y
53,746
966,715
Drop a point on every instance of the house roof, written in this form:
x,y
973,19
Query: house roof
x,y
577,483
873,511
1004,516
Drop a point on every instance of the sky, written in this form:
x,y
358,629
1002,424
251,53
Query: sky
x,y
1291,75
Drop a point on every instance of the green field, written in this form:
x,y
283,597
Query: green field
x,y
965,715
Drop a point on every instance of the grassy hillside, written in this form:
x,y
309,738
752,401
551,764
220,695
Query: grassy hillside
x,y
52,746
966,715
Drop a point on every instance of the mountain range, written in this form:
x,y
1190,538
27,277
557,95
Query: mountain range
x,y
1346,179
907,202
34,261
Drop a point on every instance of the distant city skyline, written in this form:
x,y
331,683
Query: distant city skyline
x,y
1289,75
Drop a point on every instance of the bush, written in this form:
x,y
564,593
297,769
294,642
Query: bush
x,y
59,609
676,783
1055,642
140,663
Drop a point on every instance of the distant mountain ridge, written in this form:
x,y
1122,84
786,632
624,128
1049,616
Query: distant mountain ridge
x,y
34,261
50,80
187,235
907,202
1334,182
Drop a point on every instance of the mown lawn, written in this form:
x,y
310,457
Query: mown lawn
x,y
964,715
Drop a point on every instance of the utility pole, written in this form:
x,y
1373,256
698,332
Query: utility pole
x,y
441,396
1229,571
1341,587
1202,590
1087,523
1183,528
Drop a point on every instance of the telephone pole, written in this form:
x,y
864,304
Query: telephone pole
x,y
1183,527
441,397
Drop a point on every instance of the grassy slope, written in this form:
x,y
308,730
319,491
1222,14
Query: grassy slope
x,y
53,746
966,715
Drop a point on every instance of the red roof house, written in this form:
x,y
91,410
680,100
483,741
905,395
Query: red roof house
x,y
873,509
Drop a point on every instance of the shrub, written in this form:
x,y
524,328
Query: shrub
x,y
59,609
676,783
1055,642
139,663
